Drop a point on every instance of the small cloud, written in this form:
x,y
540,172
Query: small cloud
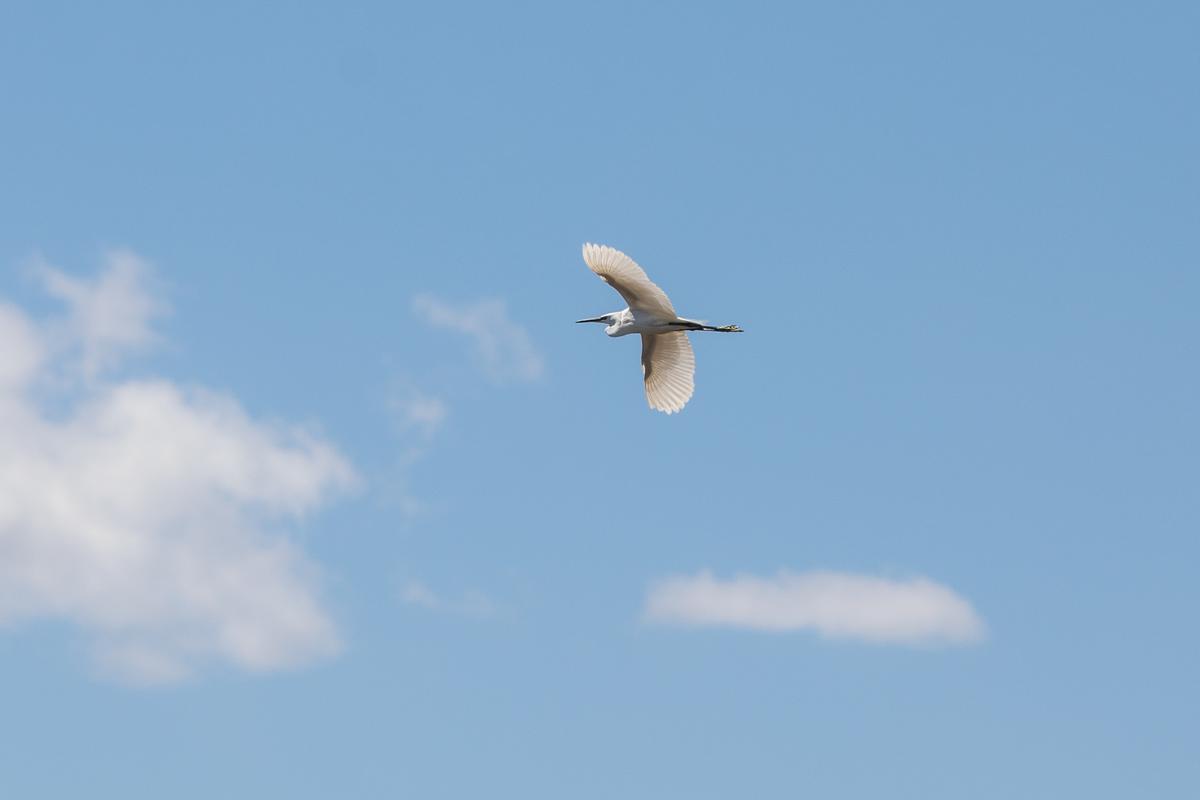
x,y
834,604
503,347
426,413
477,605
471,603
413,409
415,593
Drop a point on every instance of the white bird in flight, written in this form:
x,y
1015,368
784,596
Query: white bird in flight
x,y
667,361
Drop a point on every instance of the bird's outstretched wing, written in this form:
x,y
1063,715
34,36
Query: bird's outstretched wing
x,y
623,274
667,367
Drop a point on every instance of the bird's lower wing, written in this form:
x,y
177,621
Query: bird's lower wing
x,y
623,274
668,367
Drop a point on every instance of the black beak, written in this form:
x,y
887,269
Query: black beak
x,y
593,319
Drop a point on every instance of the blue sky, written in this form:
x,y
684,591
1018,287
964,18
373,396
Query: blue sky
x,y
309,486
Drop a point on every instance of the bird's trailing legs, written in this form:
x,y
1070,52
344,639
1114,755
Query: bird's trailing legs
x,y
688,325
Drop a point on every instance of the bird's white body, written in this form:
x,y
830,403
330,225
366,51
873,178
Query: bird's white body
x,y
628,321
668,364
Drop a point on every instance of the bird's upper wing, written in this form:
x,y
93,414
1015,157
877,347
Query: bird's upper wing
x,y
623,274
667,367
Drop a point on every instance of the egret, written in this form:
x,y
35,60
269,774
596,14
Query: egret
x,y
667,360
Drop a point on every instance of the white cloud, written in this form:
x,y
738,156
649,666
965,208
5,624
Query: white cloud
x,y
147,513
21,350
503,347
835,604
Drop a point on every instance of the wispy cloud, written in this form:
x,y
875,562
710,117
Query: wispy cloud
x,y
413,409
415,593
471,603
834,604
504,348
417,418
145,512
108,317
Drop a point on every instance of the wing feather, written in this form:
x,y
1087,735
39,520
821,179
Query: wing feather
x,y
623,274
668,367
